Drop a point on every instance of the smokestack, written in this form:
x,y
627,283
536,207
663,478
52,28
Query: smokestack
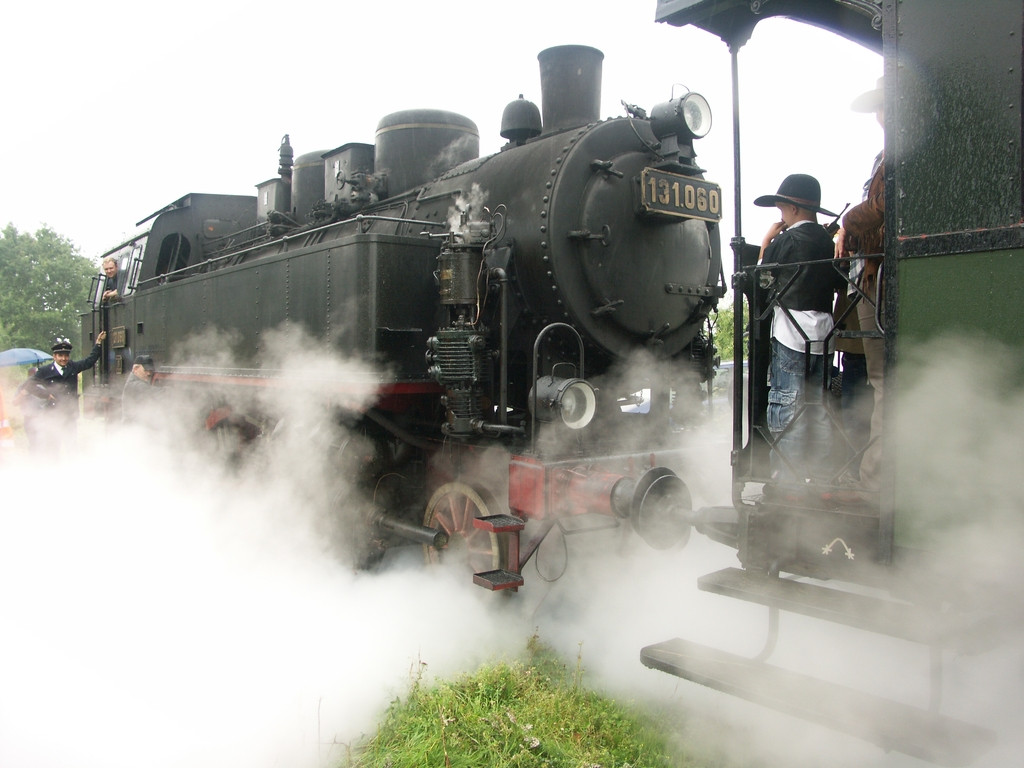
x,y
570,86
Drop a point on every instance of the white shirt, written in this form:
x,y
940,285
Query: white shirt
x,y
816,325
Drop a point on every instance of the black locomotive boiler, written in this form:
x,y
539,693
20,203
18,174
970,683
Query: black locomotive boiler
x,y
519,300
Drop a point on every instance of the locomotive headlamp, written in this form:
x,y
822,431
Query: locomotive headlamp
x,y
573,401
696,114
688,116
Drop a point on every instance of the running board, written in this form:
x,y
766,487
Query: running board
x,y
499,523
888,617
891,725
498,579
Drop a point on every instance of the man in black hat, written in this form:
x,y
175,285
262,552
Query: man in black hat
x,y
802,299
57,390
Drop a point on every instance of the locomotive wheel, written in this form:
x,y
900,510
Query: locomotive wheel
x,y
452,509
234,433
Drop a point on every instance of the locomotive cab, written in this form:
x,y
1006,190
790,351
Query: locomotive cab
x,y
185,233
893,559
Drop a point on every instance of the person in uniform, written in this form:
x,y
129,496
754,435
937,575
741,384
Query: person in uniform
x,y
55,387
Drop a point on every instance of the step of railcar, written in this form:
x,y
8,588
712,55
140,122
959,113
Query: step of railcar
x,y
890,724
889,617
499,523
498,579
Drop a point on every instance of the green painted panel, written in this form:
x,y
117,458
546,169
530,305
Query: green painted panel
x,y
955,428
979,293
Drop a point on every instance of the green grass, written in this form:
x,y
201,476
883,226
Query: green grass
x,y
518,714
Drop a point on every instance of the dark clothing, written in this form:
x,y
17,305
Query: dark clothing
x,y
115,283
63,386
856,402
55,424
137,399
814,287
856,399
30,394
846,320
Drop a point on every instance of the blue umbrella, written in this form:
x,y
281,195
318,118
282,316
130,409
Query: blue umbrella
x,y
23,356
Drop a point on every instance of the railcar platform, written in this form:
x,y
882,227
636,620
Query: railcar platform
x,y
963,633
892,725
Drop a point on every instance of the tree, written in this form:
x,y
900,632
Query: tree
x,y
723,331
44,283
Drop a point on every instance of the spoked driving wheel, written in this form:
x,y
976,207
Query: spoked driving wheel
x,y
452,509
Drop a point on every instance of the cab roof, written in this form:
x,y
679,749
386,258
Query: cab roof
x,y
734,20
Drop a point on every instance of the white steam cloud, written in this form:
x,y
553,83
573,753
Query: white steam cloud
x,y
467,207
158,607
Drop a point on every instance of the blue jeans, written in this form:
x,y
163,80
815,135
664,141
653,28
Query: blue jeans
x,y
797,418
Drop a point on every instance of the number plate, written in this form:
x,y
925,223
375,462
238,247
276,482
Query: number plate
x,y
678,195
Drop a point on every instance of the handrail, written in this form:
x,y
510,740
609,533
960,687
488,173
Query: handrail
x,y
285,240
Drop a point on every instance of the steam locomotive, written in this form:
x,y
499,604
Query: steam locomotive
x,y
518,301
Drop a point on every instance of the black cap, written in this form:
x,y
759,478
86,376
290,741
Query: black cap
x,y
61,344
146,362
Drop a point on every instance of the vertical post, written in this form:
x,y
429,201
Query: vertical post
x,y
739,402
734,51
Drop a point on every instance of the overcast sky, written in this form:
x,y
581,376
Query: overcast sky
x,y
115,109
